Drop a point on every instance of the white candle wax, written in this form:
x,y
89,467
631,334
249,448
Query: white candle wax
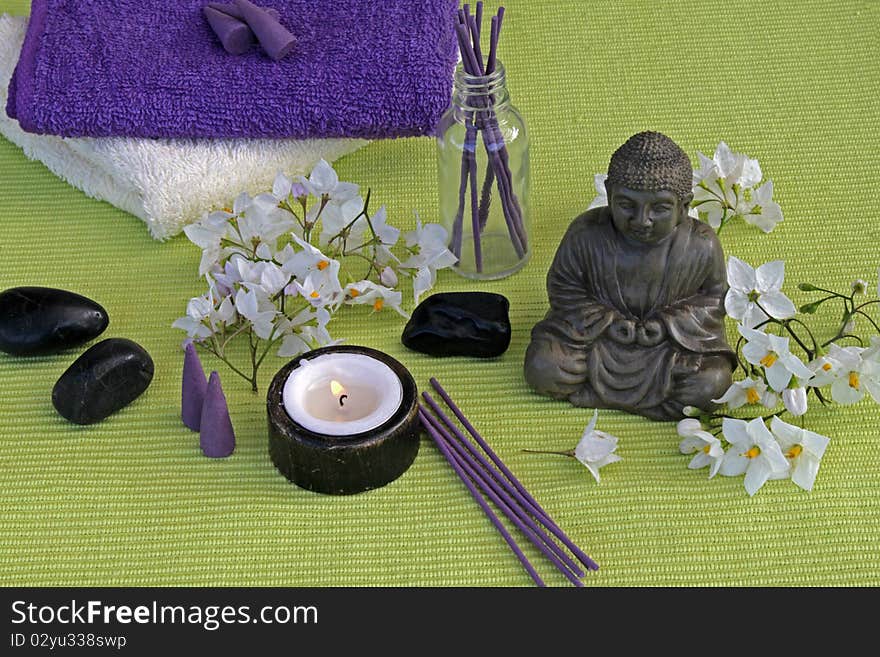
x,y
342,394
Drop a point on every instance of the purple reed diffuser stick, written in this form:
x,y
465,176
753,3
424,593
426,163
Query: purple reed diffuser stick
x,y
501,503
493,143
468,31
582,557
492,479
447,454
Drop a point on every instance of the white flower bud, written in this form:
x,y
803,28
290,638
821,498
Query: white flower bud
x,y
388,277
795,400
691,411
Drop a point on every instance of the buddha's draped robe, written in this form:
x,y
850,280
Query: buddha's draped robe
x,y
589,288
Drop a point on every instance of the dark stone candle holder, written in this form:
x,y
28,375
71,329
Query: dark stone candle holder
x,y
343,465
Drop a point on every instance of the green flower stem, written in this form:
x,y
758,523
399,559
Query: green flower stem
x,y
569,453
868,317
244,376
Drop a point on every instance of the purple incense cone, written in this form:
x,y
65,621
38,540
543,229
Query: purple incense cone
x,y
217,438
192,395
273,37
235,36
232,10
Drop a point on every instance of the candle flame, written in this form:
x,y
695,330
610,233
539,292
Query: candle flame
x,y
337,388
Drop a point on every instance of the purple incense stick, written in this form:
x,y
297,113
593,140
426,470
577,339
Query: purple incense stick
x,y
582,557
193,388
502,504
492,478
511,491
438,440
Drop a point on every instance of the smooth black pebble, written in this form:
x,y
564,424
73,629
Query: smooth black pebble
x,y
106,378
43,320
460,324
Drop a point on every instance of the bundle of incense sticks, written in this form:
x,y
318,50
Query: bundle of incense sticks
x,y
482,120
483,473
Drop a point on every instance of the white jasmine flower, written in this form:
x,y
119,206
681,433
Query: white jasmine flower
x,y
707,447
337,218
255,307
204,317
855,374
306,331
310,261
596,448
772,353
388,235
281,187
207,235
748,391
368,292
761,210
753,451
324,181
428,245
720,183
266,275
824,371
750,288
263,222
319,290
601,193
804,450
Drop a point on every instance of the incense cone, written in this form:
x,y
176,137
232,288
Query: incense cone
x,y
235,36
192,395
217,438
232,10
273,36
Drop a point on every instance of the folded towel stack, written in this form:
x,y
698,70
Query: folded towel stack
x,y
168,125
167,183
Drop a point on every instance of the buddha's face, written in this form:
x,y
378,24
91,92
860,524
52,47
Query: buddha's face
x,y
646,216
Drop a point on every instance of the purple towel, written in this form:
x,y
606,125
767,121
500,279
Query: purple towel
x,y
153,68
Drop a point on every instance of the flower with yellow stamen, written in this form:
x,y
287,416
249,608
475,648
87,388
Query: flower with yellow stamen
x,y
854,380
752,396
753,452
378,304
769,359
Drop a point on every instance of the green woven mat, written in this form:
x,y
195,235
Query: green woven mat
x,y
131,501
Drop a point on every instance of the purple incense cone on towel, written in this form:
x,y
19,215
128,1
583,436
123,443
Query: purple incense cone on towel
x,y
232,9
217,437
235,36
272,35
192,396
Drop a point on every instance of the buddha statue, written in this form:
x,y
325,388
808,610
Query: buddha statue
x,y
636,290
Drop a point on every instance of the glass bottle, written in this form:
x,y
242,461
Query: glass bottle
x,y
483,164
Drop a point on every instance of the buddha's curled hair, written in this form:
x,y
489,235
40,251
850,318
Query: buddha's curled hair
x,y
651,161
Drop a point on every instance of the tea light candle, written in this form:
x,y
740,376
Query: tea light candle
x,y
343,420
342,393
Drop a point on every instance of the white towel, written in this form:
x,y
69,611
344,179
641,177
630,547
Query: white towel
x,y
166,182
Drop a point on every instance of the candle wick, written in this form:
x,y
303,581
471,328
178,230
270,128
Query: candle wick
x,y
342,399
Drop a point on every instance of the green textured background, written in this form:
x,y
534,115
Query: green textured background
x,y
131,501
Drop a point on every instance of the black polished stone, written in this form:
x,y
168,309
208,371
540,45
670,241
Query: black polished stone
x,y
460,324
106,378
43,320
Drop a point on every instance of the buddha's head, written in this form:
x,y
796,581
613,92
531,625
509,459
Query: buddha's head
x,y
649,187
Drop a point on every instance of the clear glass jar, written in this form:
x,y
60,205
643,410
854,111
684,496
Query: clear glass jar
x,y
483,166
